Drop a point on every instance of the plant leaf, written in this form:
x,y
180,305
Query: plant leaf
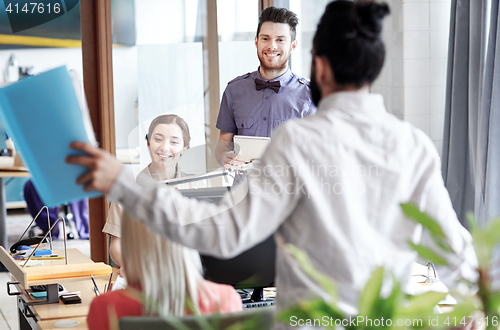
x,y
320,308
493,232
484,240
430,224
412,211
297,312
246,324
312,309
387,306
418,308
471,221
428,254
442,244
324,281
495,301
464,308
371,293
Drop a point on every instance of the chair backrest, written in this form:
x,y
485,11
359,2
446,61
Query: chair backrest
x,y
259,318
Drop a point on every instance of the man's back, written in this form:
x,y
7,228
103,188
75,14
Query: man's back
x,y
351,166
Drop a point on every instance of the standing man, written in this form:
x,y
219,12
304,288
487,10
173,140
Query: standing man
x,y
254,104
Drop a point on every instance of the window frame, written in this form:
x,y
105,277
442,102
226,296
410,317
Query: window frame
x,y
98,83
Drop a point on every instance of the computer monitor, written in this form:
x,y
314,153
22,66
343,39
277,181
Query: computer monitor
x,y
252,269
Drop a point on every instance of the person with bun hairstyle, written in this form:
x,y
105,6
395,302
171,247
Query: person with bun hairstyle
x,y
330,184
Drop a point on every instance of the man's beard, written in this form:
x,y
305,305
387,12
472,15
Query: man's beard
x,y
315,91
276,67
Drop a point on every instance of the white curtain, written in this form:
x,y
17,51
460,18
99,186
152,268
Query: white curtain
x,y
471,143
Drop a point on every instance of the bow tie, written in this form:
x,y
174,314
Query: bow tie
x,y
261,84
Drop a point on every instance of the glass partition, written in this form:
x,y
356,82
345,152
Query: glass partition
x,y
170,81
159,72
158,65
309,13
237,25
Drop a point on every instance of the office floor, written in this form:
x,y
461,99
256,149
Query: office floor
x,y
17,220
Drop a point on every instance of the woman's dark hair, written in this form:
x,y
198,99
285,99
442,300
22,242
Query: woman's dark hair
x,y
279,15
171,119
349,36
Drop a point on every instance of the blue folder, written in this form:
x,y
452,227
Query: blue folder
x,y
43,116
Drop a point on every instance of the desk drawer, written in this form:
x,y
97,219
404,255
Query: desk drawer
x,y
27,316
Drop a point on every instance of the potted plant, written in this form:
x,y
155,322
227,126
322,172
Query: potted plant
x,y
399,310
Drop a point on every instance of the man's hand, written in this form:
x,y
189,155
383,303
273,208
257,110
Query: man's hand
x,y
104,167
224,151
231,159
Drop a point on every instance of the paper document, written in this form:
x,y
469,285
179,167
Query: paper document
x,y
43,116
419,273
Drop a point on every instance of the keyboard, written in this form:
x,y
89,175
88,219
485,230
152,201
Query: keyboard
x,y
258,304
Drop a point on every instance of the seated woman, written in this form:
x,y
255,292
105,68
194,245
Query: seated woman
x,y
168,137
164,278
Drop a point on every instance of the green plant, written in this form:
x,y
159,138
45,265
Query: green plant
x,y
399,306
484,240
396,311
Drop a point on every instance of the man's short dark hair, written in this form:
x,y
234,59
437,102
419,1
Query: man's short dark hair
x,y
279,15
349,36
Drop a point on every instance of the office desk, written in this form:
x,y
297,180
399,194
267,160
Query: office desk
x,y
44,316
7,173
75,276
49,324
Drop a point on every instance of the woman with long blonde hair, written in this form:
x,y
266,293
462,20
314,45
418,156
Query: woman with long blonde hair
x,y
163,277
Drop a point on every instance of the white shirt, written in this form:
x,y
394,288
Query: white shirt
x,y
342,174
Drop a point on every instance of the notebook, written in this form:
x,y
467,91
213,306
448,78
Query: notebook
x,y
43,114
250,147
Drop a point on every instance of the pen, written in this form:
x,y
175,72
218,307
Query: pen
x,y
109,283
95,286
42,258
48,257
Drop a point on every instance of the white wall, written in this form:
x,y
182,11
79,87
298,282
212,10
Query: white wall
x,y
170,81
43,59
309,13
413,81
125,94
124,71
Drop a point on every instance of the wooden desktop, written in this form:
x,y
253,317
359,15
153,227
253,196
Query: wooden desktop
x,y
74,277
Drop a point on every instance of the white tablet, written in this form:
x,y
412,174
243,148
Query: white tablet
x,y
250,147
